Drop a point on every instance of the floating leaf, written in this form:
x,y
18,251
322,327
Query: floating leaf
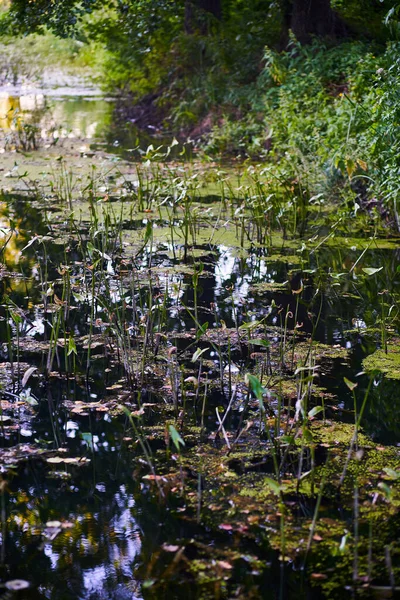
x,y
55,460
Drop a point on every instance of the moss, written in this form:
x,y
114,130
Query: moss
x,y
267,287
387,363
288,388
303,351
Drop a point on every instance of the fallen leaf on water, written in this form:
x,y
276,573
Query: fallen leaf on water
x,y
224,565
55,460
154,477
226,527
170,548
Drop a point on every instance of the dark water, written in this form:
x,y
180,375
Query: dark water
x,y
96,530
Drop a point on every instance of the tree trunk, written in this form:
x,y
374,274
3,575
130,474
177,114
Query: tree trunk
x,y
308,18
196,12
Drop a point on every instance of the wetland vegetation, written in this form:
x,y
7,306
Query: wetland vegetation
x,y
200,295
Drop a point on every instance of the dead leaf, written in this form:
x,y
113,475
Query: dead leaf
x,y
225,527
224,565
170,548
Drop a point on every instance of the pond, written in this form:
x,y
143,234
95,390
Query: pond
x,y
199,371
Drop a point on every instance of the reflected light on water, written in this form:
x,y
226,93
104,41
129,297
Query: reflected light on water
x,y
54,118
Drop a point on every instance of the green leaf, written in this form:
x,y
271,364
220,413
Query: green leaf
x,y
198,353
386,489
342,547
352,386
392,473
148,232
88,439
263,343
201,331
175,437
249,325
25,396
91,249
255,385
371,271
315,411
273,485
16,317
307,435
71,346
78,297
287,439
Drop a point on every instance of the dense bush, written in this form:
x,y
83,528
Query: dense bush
x,y
328,116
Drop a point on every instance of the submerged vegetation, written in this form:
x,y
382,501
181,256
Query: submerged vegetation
x,y
199,337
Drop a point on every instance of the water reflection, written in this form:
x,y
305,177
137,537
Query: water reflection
x,y
53,118
71,544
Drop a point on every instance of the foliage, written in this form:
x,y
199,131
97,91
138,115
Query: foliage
x,y
329,119
60,16
325,113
